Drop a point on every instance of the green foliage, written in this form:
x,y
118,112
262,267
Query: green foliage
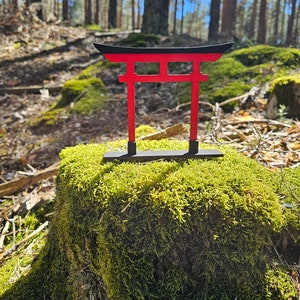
x,y
236,72
195,229
141,40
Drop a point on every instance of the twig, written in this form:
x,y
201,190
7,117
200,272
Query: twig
x,y
17,245
14,186
3,235
235,99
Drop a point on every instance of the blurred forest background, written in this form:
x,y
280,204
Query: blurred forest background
x,y
275,22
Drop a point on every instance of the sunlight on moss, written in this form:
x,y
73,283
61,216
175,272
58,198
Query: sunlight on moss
x,y
205,221
143,130
235,73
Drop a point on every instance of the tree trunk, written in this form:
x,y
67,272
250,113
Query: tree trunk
x,y
138,25
252,27
182,17
156,17
277,14
241,17
112,14
213,30
65,10
175,13
96,12
88,12
291,21
261,33
283,20
297,29
228,18
132,15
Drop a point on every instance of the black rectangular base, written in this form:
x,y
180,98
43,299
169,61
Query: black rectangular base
x,y
165,155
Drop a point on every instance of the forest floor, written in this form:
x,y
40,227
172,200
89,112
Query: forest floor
x,y
36,59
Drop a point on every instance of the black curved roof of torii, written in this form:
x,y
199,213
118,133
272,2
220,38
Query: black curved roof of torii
x,y
109,49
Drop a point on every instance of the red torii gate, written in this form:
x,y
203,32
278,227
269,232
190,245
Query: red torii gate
x,y
163,56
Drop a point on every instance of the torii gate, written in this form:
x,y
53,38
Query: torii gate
x,y
163,56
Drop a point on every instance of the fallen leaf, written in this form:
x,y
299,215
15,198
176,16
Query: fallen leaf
x,y
294,146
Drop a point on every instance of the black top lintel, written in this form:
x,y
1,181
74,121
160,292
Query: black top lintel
x,y
109,49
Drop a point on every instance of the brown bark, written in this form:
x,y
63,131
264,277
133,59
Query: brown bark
x,y
283,19
88,12
112,14
65,10
252,26
291,22
96,12
174,19
182,17
138,15
277,14
132,15
214,21
228,18
156,17
261,33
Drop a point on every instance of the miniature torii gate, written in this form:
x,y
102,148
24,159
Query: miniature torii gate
x,y
163,56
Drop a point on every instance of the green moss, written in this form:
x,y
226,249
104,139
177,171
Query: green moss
x,y
18,265
2,132
235,73
225,67
284,88
231,90
143,130
279,285
288,57
81,90
255,55
48,118
91,71
94,27
96,69
141,40
195,229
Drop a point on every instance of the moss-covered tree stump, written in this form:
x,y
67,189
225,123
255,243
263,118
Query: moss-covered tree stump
x,y
284,94
191,229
